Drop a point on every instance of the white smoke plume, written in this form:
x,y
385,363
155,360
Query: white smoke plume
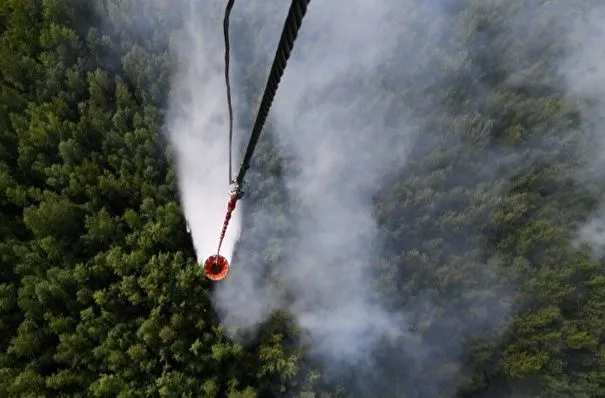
x,y
584,79
335,126
198,130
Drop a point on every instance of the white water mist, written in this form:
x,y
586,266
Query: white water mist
x,y
198,130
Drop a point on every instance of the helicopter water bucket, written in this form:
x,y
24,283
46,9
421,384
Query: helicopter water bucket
x,y
216,267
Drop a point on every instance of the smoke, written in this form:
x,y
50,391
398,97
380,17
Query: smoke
x,y
342,124
341,136
197,126
584,79
336,125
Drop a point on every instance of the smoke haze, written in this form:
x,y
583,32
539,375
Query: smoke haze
x,y
341,130
584,80
333,125
337,127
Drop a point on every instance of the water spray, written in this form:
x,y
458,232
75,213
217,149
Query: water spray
x,y
216,266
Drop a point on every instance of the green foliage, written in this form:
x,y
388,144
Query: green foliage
x,y
100,294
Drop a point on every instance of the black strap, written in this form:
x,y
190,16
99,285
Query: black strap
x,y
226,32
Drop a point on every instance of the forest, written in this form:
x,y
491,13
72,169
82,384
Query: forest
x,y
491,232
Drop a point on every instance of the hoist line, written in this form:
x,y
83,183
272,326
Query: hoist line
x,y
228,84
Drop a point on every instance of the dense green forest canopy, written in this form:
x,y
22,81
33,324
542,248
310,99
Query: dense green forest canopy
x,y
100,292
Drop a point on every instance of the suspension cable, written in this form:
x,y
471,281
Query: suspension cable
x,y
228,84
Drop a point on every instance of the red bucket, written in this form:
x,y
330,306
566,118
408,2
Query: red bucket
x,y
216,267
